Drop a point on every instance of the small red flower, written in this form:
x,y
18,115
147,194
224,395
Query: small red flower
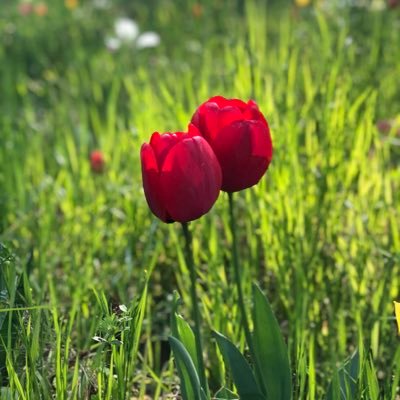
x,y
97,161
393,3
384,126
181,175
25,8
240,137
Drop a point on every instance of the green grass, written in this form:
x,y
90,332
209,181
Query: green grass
x,y
320,233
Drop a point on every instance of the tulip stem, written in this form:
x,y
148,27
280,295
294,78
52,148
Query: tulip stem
x,y
195,305
235,255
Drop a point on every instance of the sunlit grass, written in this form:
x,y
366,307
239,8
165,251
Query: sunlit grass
x,y
319,233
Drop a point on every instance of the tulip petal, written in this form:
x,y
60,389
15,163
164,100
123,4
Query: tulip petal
x,y
197,119
208,116
261,142
252,112
244,150
212,119
223,102
190,179
193,130
151,183
162,144
227,115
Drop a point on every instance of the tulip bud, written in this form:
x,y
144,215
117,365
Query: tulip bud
x,y
240,137
181,175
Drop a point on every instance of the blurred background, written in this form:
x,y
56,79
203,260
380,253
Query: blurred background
x,y
83,83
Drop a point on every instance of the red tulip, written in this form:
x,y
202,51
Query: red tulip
x,y
97,161
181,175
240,137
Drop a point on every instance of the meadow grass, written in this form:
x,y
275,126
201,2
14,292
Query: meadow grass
x,y
87,274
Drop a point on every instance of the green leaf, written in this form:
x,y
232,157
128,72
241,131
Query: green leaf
x,y
242,374
183,332
271,354
190,382
371,380
344,383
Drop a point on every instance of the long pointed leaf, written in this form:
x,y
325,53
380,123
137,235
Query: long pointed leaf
x,y
242,374
183,332
190,382
270,350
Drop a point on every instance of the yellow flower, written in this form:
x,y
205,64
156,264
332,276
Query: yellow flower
x,y
302,3
397,312
71,4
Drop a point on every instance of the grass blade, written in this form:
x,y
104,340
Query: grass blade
x,y
344,384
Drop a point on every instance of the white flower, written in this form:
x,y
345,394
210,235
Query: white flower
x,y
148,39
112,43
348,41
126,29
101,4
194,46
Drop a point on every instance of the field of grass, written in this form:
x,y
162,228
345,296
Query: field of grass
x,y
87,273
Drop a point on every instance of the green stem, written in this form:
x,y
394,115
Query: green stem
x,y
232,223
235,253
195,306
